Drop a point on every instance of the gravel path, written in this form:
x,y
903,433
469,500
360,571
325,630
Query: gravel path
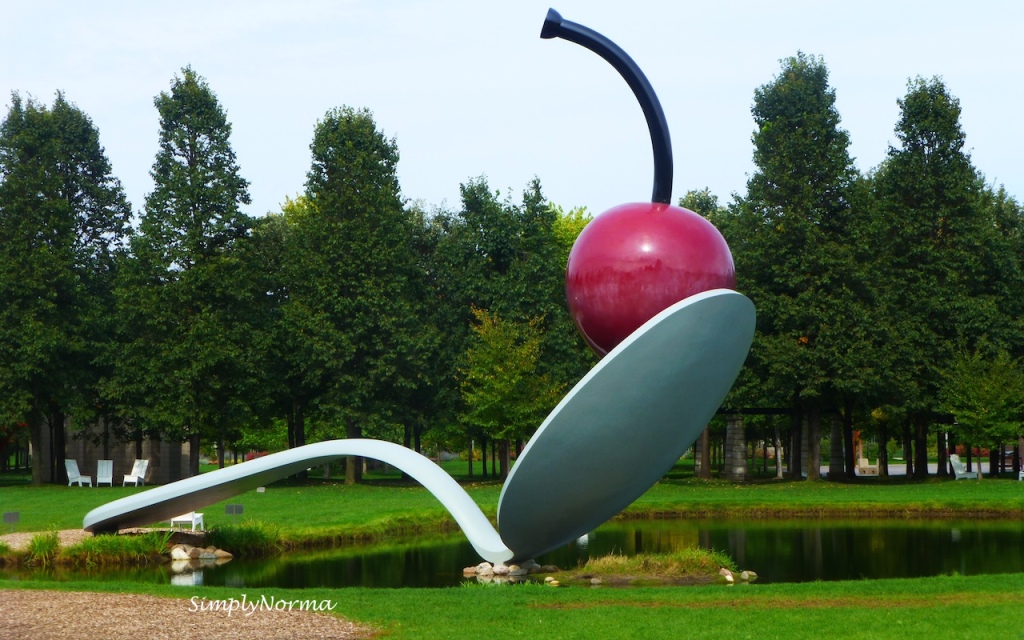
x,y
58,615
19,541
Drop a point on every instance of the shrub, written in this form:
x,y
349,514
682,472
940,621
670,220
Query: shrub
x,y
43,548
252,538
118,549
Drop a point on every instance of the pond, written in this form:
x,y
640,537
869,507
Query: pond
x,y
779,551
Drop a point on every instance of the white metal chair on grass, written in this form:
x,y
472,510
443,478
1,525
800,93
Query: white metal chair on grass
x,y
960,469
138,474
71,466
105,472
190,518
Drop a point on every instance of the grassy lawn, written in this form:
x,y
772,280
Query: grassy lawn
x,y
385,505
953,607
956,606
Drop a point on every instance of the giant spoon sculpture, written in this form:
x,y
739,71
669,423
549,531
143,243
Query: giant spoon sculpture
x,y
649,285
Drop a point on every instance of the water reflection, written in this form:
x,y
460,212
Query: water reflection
x,y
790,551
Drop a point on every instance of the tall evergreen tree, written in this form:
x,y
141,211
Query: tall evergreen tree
x,y
932,239
796,244
62,218
358,296
184,365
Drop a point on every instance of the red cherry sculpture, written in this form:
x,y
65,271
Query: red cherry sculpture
x,y
635,260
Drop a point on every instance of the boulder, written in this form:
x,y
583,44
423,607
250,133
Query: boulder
x,y
549,568
220,553
500,569
469,571
516,570
179,553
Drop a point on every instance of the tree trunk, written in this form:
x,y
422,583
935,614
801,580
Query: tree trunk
x,y
407,443
494,454
921,447
883,450
469,452
993,462
220,446
504,458
778,452
942,469
848,460
836,460
814,443
483,457
908,448
353,464
764,455
58,474
795,463
36,433
193,454
704,468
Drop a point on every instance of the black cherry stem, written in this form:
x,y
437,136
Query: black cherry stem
x,y
556,27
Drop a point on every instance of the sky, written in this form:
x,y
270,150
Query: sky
x,y
468,88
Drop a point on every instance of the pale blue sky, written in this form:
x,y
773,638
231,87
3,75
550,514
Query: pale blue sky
x,y
469,88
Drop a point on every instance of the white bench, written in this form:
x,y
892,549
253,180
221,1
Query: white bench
x,y
191,518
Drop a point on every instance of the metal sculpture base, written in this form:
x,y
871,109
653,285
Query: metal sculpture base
x,y
611,438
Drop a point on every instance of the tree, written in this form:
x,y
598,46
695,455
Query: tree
x,y
933,240
185,365
509,258
985,395
795,239
357,299
506,395
63,216
703,202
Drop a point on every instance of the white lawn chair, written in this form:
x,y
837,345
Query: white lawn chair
x,y
105,472
960,469
138,474
74,476
191,518
866,469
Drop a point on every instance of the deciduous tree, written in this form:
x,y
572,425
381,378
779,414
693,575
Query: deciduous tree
x,y
185,365
63,216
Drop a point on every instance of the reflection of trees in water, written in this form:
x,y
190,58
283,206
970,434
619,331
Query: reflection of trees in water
x,y
777,550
